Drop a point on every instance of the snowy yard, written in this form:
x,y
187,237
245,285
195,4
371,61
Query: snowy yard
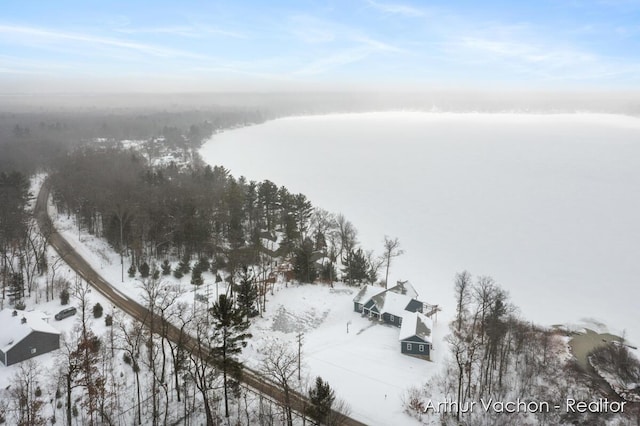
x,y
364,366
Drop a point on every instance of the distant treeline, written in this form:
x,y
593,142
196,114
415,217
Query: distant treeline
x,y
29,141
151,213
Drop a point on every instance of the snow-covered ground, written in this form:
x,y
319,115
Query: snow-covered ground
x,y
364,366
106,261
545,204
52,307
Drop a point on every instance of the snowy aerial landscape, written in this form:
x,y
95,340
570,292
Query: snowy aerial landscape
x,y
505,195
542,203
285,213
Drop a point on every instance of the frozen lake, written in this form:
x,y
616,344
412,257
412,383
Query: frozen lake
x,y
548,205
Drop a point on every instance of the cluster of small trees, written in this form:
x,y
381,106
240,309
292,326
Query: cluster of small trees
x,y
617,364
23,244
495,355
334,238
166,362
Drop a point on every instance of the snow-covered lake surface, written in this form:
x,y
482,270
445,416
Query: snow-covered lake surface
x,y
548,205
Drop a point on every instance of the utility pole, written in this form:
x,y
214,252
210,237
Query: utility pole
x,y
300,340
121,257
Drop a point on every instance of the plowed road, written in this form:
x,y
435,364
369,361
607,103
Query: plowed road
x,y
250,377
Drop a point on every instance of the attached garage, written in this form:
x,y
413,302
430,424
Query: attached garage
x,y
415,335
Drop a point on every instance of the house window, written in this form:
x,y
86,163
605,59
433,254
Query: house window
x,y
421,348
391,318
408,346
33,350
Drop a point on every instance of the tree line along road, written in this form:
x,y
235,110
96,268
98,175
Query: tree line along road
x,y
250,377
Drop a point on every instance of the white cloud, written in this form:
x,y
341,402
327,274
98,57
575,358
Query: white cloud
x,y
42,37
183,31
397,9
330,62
377,45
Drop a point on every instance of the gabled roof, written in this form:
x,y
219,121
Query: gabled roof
x,y
366,293
392,303
415,324
405,287
14,330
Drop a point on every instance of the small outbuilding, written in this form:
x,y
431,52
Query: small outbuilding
x,y
24,335
415,335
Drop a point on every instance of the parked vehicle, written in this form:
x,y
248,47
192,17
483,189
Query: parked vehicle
x,y
66,313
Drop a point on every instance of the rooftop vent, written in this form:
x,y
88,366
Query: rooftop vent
x,y
24,320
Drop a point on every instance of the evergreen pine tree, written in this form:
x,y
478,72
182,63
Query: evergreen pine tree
x,y
303,266
321,397
231,334
132,271
184,266
166,267
64,296
327,272
355,268
202,265
196,277
246,293
97,310
144,270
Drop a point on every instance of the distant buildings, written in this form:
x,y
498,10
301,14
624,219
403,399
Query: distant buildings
x,y
24,335
399,306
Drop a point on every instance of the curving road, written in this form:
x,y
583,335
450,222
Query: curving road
x,y
250,377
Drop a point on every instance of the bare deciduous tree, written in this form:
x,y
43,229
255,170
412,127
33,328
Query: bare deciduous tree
x,y
280,363
26,395
391,250
131,339
348,234
463,295
202,369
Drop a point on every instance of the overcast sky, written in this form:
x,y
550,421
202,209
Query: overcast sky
x,y
302,44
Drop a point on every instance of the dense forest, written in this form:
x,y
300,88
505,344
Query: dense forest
x,y
39,141
31,139
202,213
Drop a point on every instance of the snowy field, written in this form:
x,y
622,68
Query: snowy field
x,y
545,204
364,366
